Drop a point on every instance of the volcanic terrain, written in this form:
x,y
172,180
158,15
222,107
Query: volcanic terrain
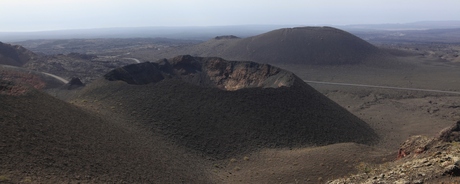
x,y
192,119
224,108
169,121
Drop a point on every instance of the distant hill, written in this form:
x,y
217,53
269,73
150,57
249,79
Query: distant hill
x,y
14,55
301,45
221,108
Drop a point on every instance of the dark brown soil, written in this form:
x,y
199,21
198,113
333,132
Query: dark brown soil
x,y
45,140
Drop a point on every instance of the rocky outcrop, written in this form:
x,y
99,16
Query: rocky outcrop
x,y
413,146
420,160
451,134
416,145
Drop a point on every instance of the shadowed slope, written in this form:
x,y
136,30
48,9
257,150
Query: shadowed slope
x,y
261,106
45,140
14,55
301,45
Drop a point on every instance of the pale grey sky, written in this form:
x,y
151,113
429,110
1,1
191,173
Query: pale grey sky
x,y
34,15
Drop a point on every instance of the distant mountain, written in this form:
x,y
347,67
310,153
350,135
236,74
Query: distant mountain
x,y
15,55
301,45
223,108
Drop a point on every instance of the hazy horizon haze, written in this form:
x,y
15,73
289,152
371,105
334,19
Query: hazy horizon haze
x,y
30,15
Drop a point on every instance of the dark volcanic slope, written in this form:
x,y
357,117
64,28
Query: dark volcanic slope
x,y
45,140
302,45
221,108
14,55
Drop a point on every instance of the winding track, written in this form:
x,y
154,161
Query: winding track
x,y
56,77
134,59
383,87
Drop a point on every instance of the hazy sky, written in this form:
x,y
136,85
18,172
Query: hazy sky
x,y
33,15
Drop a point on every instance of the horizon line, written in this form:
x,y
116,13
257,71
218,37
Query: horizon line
x,y
209,26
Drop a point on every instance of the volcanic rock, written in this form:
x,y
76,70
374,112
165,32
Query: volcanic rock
x,y
451,134
421,159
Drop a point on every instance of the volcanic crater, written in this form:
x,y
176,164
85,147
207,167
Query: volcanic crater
x,y
221,108
209,72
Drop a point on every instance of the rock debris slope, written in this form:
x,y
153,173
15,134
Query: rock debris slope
x,y
420,160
